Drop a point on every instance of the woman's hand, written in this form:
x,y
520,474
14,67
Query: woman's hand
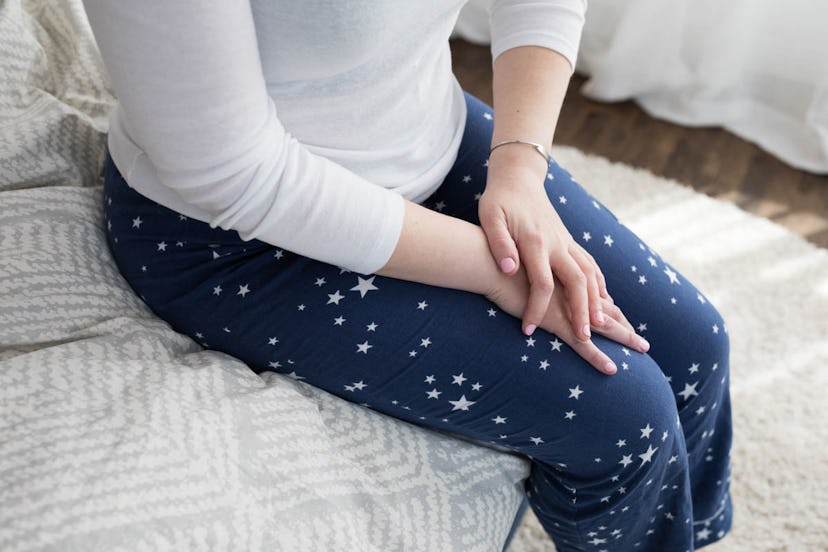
x,y
524,230
512,293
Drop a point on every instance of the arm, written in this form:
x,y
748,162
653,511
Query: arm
x,y
195,109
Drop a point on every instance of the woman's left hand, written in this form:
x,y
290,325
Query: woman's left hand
x,y
522,227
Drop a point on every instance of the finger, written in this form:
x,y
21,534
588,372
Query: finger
x,y
590,353
615,313
575,285
501,243
590,270
602,282
625,336
541,283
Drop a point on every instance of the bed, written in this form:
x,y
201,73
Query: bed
x,y
117,433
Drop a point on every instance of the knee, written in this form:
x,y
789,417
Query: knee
x,y
699,329
635,425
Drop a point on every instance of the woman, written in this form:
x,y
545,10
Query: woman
x,y
303,185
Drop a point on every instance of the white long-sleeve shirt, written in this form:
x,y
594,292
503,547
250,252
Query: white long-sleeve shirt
x,y
305,123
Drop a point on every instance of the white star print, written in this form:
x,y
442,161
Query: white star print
x,y
372,327
648,455
562,199
136,222
319,282
425,342
672,276
217,290
626,460
430,379
530,341
570,414
715,328
487,116
363,347
556,345
544,364
338,321
459,379
467,179
575,392
492,312
462,403
199,335
440,205
704,534
536,440
700,298
608,240
335,298
162,246
295,376
642,279
422,305
300,307
587,236
524,358
645,432
621,443
275,364
272,341
499,420
243,290
642,327
652,261
693,368
433,394
688,391
359,385
476,386
364,286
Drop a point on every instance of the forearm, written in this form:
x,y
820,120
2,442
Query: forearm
x,y
529,87
443,251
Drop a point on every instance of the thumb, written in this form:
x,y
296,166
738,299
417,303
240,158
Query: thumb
x,y
501,243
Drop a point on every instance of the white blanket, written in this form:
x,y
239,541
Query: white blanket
x,y
116,433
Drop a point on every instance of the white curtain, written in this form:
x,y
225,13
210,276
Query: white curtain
x,y
756,67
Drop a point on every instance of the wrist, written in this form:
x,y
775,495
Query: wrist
x,y
518,158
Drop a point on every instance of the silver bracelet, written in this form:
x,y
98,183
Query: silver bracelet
x,y
539,148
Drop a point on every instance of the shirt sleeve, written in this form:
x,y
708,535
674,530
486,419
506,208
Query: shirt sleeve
x,y
190,87
553,24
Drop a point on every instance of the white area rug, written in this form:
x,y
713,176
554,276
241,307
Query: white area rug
x,y
772,288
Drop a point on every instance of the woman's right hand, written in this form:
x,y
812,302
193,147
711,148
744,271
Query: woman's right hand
x,y
512,293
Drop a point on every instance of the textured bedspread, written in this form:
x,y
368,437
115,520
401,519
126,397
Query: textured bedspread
x,y
116,433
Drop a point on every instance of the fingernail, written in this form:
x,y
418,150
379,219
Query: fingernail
x,y
643,345
610,368
507,264
530,329
599,316
586,331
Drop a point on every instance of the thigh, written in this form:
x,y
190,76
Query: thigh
x,y
437,357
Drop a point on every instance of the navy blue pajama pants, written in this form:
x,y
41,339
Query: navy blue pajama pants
x,y
634,461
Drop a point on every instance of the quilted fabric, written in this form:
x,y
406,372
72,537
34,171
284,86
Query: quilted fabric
x,y
117,433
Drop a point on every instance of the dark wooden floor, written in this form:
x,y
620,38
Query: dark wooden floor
x,y
711,160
